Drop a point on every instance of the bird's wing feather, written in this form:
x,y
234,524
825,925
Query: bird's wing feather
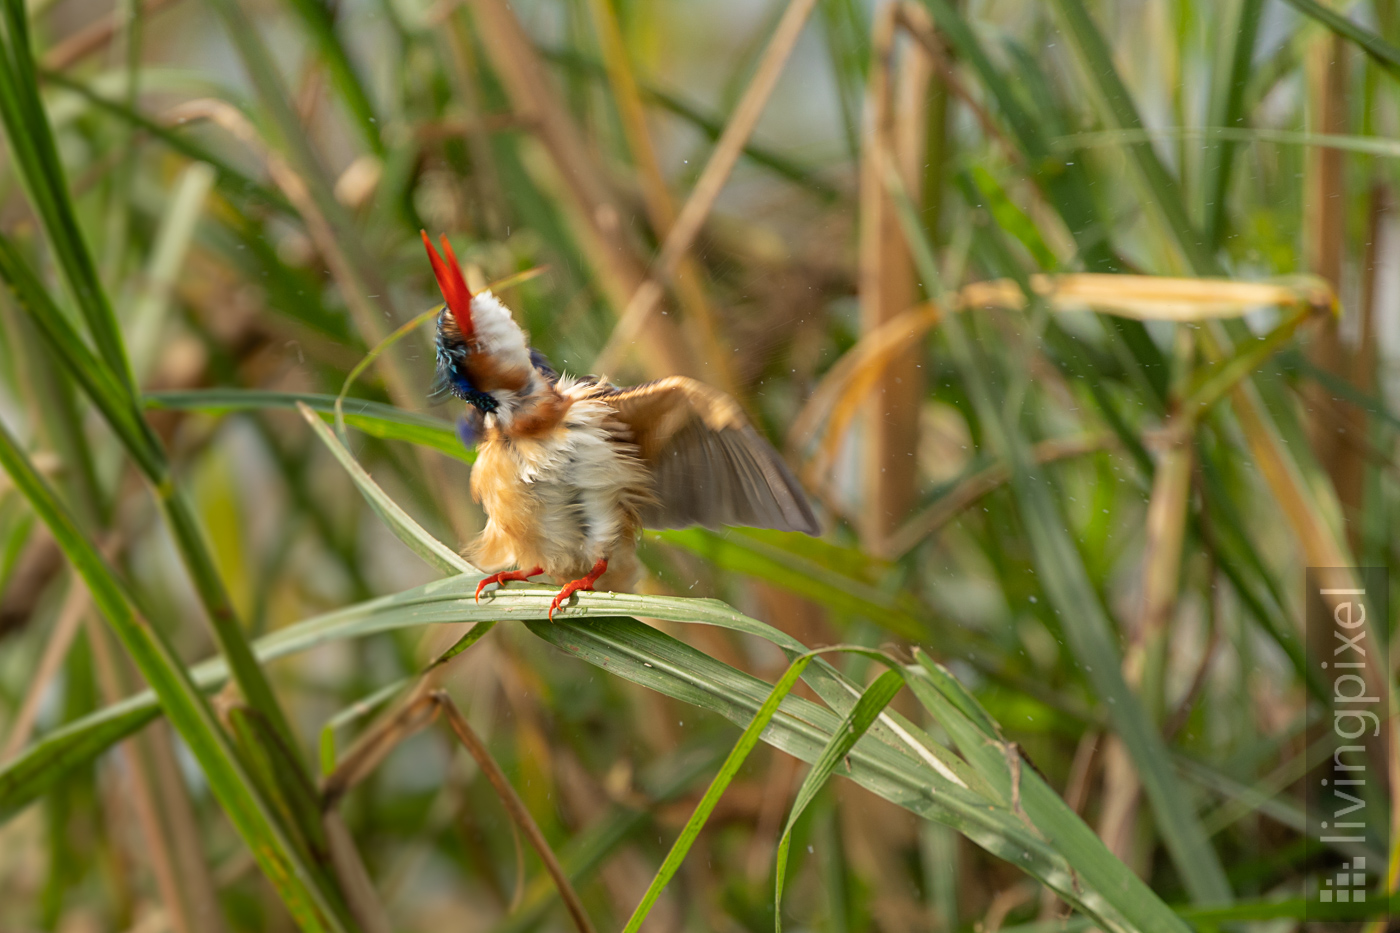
x,y
709,464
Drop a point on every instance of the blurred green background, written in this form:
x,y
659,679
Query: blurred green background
x,y
965,263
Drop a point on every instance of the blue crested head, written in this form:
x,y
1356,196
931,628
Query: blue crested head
x,y
452,376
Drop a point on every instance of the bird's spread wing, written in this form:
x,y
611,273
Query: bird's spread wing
x,y
710,466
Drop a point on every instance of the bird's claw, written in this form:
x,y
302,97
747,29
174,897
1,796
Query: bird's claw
x,y
568,590
573,586
500,579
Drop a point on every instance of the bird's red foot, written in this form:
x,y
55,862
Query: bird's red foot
x,y
585,583
503,576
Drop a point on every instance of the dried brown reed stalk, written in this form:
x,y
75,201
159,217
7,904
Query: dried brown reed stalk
x,y
418,709
65,629
140,794
688,283
894,132
644,300
819,428
94,37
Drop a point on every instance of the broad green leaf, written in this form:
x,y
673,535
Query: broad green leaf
x,y
979,739
802,729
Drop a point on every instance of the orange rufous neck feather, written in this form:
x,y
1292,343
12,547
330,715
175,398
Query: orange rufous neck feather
x,y
454,287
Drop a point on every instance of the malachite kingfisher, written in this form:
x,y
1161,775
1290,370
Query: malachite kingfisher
x,y
570,469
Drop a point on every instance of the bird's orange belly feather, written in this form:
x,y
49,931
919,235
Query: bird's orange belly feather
x,y
561,501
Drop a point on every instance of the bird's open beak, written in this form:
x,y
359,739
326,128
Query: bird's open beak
x,y
454,287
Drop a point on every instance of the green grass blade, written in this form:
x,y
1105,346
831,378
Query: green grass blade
x,y
1062,175
657,661
845,32
150,308
1118,108
358,268
934,784
187,709
588,850
373,418
43,764
433,551
875,698
1381,51
1086,625
444,601
1337,385
367,705
36,157
1227,110
32,144
1344,142
1295,908
978,737
707,803
272,91
272,764
88,370
1252,580
1210,383
1011,218
1302,489
374,353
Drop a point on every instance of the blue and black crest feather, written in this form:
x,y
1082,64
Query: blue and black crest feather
x,y
451,378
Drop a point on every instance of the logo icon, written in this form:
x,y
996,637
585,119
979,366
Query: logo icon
x,y
1350,884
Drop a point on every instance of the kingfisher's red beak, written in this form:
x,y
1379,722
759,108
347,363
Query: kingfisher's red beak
x,y
454,287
